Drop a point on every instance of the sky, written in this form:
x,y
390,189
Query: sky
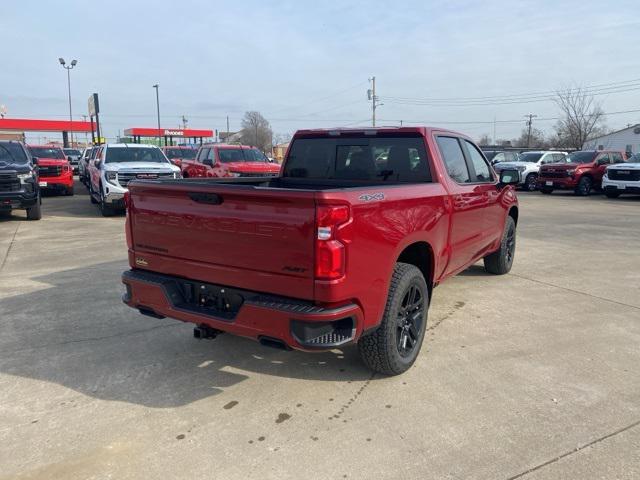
x,y
306,64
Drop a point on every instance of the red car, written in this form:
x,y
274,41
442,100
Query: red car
x,y
581,173
176,154
344,247
54,170
214,160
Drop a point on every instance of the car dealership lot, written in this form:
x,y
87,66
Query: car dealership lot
x,y
516,371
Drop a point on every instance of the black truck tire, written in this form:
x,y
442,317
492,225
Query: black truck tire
x,y
500,261
584,187
35,212
106,210
530,182
394,346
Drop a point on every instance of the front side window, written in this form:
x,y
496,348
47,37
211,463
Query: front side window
x,y
202,154
482,171
454,159
617,157
380,159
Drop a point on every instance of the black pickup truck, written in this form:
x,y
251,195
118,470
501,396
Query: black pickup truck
x,y
18,180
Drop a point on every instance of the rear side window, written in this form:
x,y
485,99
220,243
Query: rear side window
x,y
379,159
453,159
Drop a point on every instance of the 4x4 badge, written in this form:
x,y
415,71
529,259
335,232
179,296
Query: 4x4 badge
x,y
370,197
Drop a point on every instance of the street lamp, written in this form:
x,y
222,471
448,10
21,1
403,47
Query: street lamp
x,y
68,68
158,110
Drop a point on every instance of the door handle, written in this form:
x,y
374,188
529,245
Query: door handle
x,y
208,198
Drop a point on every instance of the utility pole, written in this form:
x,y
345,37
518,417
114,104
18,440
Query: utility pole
x,y
184,122
156,86
371,95
529,123
226,139
494,130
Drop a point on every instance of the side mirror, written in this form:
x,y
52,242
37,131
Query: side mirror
x,y
34,160
509,177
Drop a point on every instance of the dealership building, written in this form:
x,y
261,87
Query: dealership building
x,y
627,140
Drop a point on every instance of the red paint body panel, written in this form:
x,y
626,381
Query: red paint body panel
x,y
262,239
65,179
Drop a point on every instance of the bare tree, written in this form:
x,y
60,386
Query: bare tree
x,y
256,131
485,139
536,140
279,138
582,117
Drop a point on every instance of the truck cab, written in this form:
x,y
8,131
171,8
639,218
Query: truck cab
x,y
177,153
224,161
54,170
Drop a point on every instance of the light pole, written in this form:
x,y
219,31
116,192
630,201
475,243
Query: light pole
x,y
68,68
158,110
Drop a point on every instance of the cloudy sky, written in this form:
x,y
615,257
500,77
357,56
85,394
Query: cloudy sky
x,y
459,64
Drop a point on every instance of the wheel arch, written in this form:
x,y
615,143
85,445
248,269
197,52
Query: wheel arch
x,y
420,254
513,213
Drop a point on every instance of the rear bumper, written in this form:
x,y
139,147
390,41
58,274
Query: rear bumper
x,y
300,325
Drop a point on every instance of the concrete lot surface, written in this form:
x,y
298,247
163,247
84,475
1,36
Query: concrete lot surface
x,y
532,375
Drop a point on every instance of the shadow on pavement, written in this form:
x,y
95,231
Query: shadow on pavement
x,y
76,332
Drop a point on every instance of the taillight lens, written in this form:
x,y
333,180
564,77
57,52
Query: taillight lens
x,y
330,251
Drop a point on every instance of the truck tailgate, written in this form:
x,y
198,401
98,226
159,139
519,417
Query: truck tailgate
x,y
256,238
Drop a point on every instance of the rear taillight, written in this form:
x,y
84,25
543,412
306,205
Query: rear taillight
x,y
127,199
330,241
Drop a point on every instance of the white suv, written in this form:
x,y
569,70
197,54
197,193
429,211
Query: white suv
x,y
529,163
116,164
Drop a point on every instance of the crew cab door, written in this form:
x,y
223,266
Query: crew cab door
x,y
470,200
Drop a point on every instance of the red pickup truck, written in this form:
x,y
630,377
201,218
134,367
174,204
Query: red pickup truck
x,y
54,170
176,154
344,247
221,160
582,172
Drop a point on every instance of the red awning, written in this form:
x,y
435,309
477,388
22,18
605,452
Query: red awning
x,y
167,132
30,125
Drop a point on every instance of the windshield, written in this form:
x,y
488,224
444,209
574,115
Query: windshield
x,y
12,153
227,155
72,151
134,154
181,152
529,157
581,157
47,152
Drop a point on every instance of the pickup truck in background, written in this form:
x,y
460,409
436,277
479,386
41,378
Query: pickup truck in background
x,y
73,156
528,164
344,247
54,170
581,172
216,160
177,153
622,178
19,188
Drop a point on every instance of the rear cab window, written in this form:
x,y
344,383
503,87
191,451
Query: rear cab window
x,y
380,159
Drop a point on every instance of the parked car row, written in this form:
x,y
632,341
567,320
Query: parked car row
x,y
107,170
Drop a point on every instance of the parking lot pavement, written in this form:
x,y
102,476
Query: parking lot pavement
x,y
533,375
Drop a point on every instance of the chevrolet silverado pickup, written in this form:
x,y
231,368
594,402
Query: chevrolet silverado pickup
x,y
344,247
54,171
581,171
220,160
18,180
